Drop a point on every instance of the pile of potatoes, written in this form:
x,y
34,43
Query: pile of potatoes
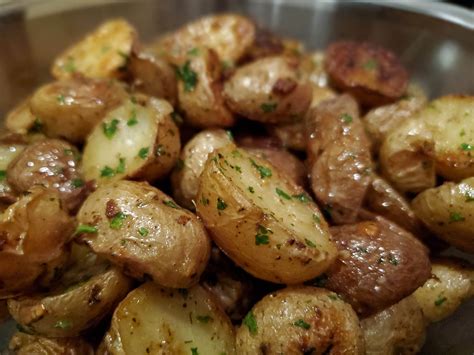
x,y
133,222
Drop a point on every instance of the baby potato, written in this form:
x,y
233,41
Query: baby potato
x,y
52,163
27,344
379,264
20,119
339,158
312,69
263,221
10,146
265,44
155,320
397,330
268,90
185,177
139,228
33,232
137,140
300,320
200,90
100,54
380,121
451,283
373,74
84,295
448,211
292,135
71,108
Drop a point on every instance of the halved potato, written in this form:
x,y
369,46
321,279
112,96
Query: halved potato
x,y
20,119
88,291
137,140
71,108
448,211
300,320
27,344
155,320
268,90
100,54
451,283
397,330
185,177
263,221
139,228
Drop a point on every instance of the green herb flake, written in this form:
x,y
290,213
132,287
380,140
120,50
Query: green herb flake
x,y
251,189
302,197
456,217
107,171
440,300
268,107
346,118
61,99
187,76
69,66
121,167
194,351
63,324
132,121
37,126
193,52
392,259
76,183
3,175
230,135
171,204
371,64
333,297
117,220
467,147
143,231
316,219
85,228
251,323
282,194
143,152
264,171
123,55
221,205
310,243
109,129
302,324
261,238
204,319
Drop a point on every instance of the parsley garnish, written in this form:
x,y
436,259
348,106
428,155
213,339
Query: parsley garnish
x,y
316,219
370,64
61,99
261,238
110,128
107,171
346,118
77,183
85,228
37,126
282,194
194,351
467,147
230,135
194,51
143,153
171,204
456,217
264,171
302,324
204,319
268,106
251,323
117,221
251,189
63,324
303,197
3,175
132,121
187,76
310,243
392,259
440,301
221,205
143,231
69,66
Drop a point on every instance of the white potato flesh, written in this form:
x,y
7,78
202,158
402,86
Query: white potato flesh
x,y
155,320
98,55
137,140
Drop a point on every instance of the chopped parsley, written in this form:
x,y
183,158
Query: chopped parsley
x,y
187,76
316,219
171,204
143,231
282,194
69,66
440,300
456,217
346,118
85,228
261,238
37,126
221,205
302,324
110,128
264,171
268,107
63,324
3,175
132,121
251,323
107,171
251,189
302,197
370,64
121,167
117,220
310,243
123,55
143,152
193,51
76,183
194,351
204,319
467,147
61,99
392,259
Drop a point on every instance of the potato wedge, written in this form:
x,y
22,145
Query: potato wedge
x,y
71,108
200,90
448,211
87,292
397,330
139,228
300,320
451,283
137,140
155,320
185,177
339,158
26,344
268,90
100,54
373,74
379,264
263,221
20,119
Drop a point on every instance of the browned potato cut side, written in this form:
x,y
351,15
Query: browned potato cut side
x,y
263,221
300,320
139,228
26,344
20,119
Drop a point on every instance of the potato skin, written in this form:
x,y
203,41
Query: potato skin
x,y
300,320
451,283
379,264
26,344
71,108
397,330
173,249
185,178
448,211
268,90
339,158
371,73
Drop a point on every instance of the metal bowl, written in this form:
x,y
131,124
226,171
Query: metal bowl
x,y
434,41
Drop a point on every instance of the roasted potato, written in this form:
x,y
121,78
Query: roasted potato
x,y
379,264
266,44
397,330
85,294
185,177
268,90
20,119
10,146
71,108
448,211
451,283
52,163
139,228
300,320
339,158
200,90
383,119
312,69
263,221
27,344
100,54
155,320
373,74
137,140
292,135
